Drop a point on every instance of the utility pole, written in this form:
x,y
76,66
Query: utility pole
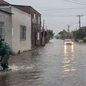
x,y
68,28
79,20
68,35
46,27
43,24
43,34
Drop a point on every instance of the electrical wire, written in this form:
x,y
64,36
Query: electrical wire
x,y
59,15
79,1
75,2
56,9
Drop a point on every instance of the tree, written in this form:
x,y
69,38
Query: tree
x,y
63,34
49,34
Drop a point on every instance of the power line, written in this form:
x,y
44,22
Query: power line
x,y
54,9
75,2
60,15
79,1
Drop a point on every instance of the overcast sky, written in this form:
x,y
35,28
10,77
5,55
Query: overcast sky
x,y
58,14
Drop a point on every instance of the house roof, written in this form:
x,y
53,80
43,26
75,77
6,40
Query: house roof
x,y
2,2
27,9
5,11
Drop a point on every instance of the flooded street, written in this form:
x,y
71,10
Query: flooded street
x,y
53,65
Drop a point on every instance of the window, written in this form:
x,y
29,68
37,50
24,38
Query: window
x,y
38,36
2,29
39,19
34,16
34,19
22,32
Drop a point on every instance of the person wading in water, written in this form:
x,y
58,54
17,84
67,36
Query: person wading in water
x,y
5,52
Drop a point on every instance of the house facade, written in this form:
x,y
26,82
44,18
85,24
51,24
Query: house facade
x,y
20,29
35,24
5,26
34,20
36,28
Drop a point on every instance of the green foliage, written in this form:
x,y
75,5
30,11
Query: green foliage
x,y
50,34
63,34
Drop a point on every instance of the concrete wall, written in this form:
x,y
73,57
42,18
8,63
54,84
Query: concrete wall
x,y
20,18
6,18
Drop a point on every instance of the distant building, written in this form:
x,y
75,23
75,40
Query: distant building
x,y
18,30
83,29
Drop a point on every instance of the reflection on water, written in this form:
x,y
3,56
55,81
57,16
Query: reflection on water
x,y
68,48
68,60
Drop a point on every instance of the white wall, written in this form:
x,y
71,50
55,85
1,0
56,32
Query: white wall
x,y
6,18
20,18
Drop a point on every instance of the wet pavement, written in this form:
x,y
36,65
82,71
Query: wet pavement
x,y
53,65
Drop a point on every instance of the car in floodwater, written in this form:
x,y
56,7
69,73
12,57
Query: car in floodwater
x,y
68,42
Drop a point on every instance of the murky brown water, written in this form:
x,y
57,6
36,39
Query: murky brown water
x,y
53,65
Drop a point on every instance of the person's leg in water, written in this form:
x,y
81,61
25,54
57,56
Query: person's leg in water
x,y
1,57
4,62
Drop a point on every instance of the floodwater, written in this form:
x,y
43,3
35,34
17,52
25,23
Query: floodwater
x,y
55,64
